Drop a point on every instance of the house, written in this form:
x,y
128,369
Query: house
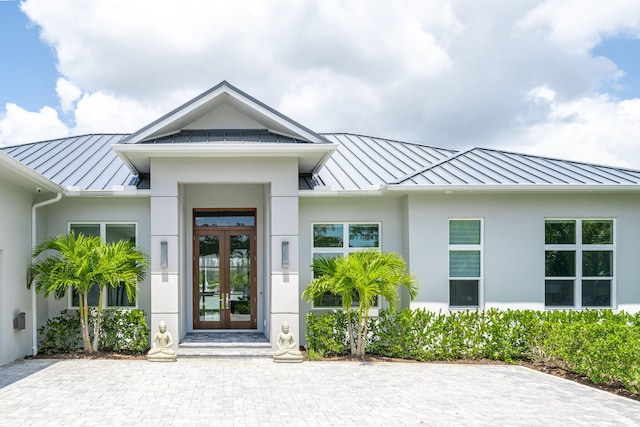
x,y
232,200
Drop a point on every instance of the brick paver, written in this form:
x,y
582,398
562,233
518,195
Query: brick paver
x,y
246,392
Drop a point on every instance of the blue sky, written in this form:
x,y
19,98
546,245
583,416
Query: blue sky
x,y
559,78
625,53
28,73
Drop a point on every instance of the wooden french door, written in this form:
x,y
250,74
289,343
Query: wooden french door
x,y
224,278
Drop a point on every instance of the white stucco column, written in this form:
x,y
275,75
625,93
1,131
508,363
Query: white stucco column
x,y
285,300
165,289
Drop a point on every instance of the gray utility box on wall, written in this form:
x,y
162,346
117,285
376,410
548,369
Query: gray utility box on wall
x,y
19,322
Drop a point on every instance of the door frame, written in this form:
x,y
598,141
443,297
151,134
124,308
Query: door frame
x,y
225,320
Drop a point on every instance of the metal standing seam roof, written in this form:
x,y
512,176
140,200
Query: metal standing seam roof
x,y
221,136
489,166
364,162
360,163
87,162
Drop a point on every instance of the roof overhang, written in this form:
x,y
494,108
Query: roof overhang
x,y
25,177
467,188
310,156
512,188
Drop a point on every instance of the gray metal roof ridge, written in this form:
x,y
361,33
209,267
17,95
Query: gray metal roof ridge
x,y
223,83
425,169
397,141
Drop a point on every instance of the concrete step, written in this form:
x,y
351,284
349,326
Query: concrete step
x,y
225,345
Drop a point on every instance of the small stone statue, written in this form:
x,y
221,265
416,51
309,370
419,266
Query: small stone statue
x,y
162,341
287,351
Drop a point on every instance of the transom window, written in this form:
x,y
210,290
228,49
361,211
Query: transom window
x,y
110,232
579,262
465,262
331,240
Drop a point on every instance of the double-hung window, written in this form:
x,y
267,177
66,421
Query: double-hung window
x,y
465,262
579,262
331,240
109,232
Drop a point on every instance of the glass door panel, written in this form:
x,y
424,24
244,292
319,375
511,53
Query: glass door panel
x,y
209,306
224,288
240,277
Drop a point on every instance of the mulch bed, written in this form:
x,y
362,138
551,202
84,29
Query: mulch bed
x,y
551,370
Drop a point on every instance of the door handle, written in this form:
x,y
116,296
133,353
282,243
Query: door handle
x,y
224,299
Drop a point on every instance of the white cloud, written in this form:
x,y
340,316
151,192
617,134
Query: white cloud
x,y
100,112
455,74
596,130
68,94
18,126
579,25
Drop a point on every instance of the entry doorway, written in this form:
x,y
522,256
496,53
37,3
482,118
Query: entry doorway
x,y
224,269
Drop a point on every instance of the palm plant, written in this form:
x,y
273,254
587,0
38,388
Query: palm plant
x,y
82,262
363,276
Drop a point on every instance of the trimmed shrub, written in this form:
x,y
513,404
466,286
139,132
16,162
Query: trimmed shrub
x,y
600,344
327,334
61,334
123,331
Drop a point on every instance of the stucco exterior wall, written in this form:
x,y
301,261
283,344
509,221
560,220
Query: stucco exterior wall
x,y
15,256
385,210
69,210
514,243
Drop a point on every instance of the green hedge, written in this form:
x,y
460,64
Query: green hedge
x,y
122,331
600,344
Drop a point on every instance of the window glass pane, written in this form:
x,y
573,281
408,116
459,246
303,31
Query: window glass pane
x,y
117,297
464,232
117,232
94,294
558,293
86,229
464,263
597,263
558,232
463,293
560,263
363,235
596,293
597,232
328,300
225,218
328,236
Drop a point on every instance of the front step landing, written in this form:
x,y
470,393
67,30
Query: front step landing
x,y
225,345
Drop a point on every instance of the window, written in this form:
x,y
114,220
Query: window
x,y
465,262
335,239
579,262
110,232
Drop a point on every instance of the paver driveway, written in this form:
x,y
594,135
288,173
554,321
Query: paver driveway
x,y
239,392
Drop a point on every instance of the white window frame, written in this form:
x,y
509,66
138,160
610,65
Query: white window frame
x,y
465,247
579,247
344,250
103,234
